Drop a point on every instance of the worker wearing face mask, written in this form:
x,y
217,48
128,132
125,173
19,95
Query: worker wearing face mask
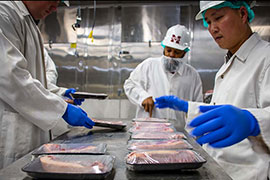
x,y
28,110
235,128
165,75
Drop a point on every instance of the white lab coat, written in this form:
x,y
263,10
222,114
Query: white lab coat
x,y
150,79
52,75
244,81
27,109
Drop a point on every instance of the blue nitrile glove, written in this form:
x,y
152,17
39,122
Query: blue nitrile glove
x,y
71,91
171,102
224,125
75,116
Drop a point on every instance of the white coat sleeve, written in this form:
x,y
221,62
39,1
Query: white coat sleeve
x,y
262,114
52,75
136,85
26,95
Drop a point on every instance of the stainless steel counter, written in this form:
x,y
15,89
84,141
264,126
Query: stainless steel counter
x,y
116,145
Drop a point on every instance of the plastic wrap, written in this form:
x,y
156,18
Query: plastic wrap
x,y
158,144
163,160
151,129
51,148
70,166
150,124
110,124
157,135
150,119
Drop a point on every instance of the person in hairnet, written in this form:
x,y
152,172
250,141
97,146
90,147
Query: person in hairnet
x,y
235,128
51,77
165,75
28,110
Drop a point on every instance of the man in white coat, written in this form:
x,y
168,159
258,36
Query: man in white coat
x,y
235,128
165,75
27,109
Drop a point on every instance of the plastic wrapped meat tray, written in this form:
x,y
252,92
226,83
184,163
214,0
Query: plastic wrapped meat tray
x,y
152,129
52,148
150,119
135,145
70,167
86,95
109,124
138,124
163,160
158,135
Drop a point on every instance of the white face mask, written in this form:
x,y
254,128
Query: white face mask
x,y
171,64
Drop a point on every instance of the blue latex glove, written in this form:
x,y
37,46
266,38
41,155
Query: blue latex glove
x,y
71,91
75,116
171,102
224,125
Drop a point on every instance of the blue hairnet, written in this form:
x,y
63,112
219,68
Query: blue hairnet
x,y
233,5
186,50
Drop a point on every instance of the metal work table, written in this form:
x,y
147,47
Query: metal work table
x,y
116,145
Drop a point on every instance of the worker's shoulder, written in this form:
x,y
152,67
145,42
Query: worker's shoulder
x,y
150,61
9,10
190,68
262,50
7,7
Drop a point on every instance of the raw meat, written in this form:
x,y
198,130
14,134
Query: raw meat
x,y
151,129
58,148
161,157
157,135
160,144
52,164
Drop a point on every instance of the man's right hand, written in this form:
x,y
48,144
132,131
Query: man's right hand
x,y
172,102
148,105
75,116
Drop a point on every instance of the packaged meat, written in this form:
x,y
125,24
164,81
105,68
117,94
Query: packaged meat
x,y
163,160
70,166
53,148
158,135
151,129
86,95
138,124
110,124
148,119
158,144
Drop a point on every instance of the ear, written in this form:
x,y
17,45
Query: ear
x,y
243,14
183,55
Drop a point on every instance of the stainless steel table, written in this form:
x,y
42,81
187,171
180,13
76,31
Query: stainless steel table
x,y
116,146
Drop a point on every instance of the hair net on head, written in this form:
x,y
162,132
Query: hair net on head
x,y
233,5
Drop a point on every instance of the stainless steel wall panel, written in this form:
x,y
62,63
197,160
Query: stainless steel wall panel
x,y
125,34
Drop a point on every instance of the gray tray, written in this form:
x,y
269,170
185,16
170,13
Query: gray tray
x,y
109,124
35,169
86,95
168,166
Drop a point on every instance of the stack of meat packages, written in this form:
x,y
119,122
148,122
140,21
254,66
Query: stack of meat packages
x,y
156,145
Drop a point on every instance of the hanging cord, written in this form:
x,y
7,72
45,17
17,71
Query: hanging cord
x,y
94,22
